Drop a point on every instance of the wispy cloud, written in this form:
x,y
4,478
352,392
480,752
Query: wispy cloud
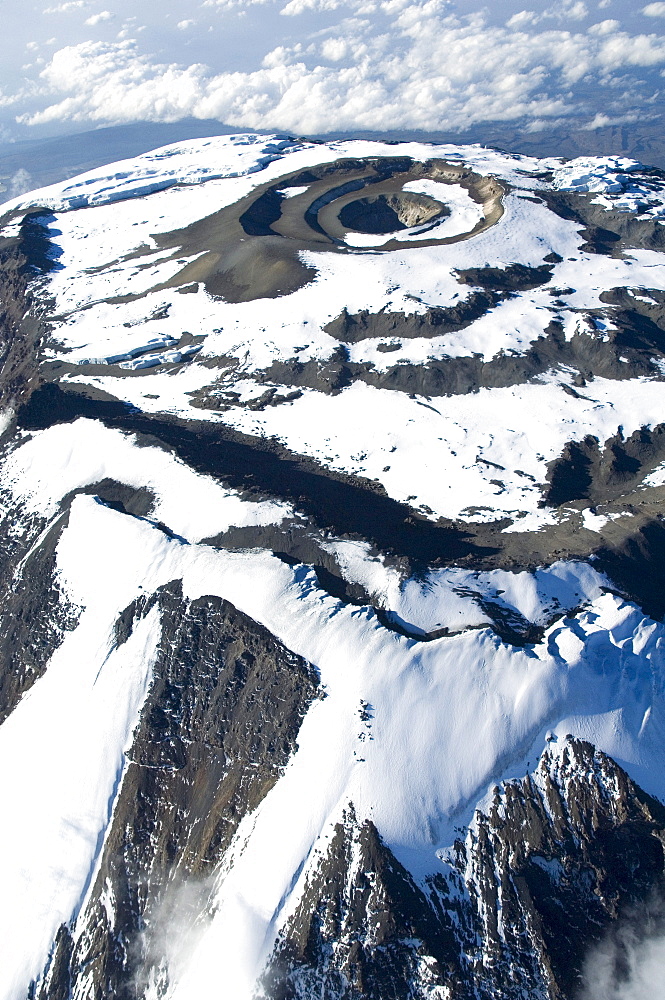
x,y
629,964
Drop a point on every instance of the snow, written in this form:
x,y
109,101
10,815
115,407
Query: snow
x,y
180,163
447,717
595,174
151,344
489,449
6,417
412,770
593,521
619,183
449,598
657,477
437,457
62,754
465,213
67,457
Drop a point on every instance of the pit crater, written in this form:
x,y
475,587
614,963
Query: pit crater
x,y
390,213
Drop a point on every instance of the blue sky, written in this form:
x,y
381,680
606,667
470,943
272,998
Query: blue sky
x,y
312,66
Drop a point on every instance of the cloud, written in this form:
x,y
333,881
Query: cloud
x,y
104,15
571,10
64,8
296,7
224,5
630,963
601,120
183,25
654,10
382,64
20,183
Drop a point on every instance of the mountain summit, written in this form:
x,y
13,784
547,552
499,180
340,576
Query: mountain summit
x,y
332,573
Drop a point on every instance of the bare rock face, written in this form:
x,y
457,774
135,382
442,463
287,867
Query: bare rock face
x,y
36,613
22,312
219,724
544,869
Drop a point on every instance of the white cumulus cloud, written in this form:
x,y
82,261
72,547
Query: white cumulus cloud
x,y
359,65
104,15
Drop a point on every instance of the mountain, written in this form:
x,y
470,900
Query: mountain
x,y
332,575
26,163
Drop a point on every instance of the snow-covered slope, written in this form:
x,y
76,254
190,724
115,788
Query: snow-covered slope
x,y
332,497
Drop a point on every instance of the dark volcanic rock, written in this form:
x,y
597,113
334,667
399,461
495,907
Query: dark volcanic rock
x,y
630,351
585,471
219,724
36,613
605,231
262,468
435,321
636,566
514,278
390,213
362,929
22,324
541,875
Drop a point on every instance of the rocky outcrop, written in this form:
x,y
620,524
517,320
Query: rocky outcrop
x,y
545,867
219,724
607,231
22,313
36,612
587,471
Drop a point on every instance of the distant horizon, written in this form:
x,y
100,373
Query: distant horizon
x,y
29,163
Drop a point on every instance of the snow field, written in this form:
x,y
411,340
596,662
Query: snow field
x,y
445,454
66,457
447,598
445,715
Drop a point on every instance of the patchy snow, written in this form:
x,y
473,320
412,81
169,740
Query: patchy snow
x,y
478,456
593,521
655,478
6,417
